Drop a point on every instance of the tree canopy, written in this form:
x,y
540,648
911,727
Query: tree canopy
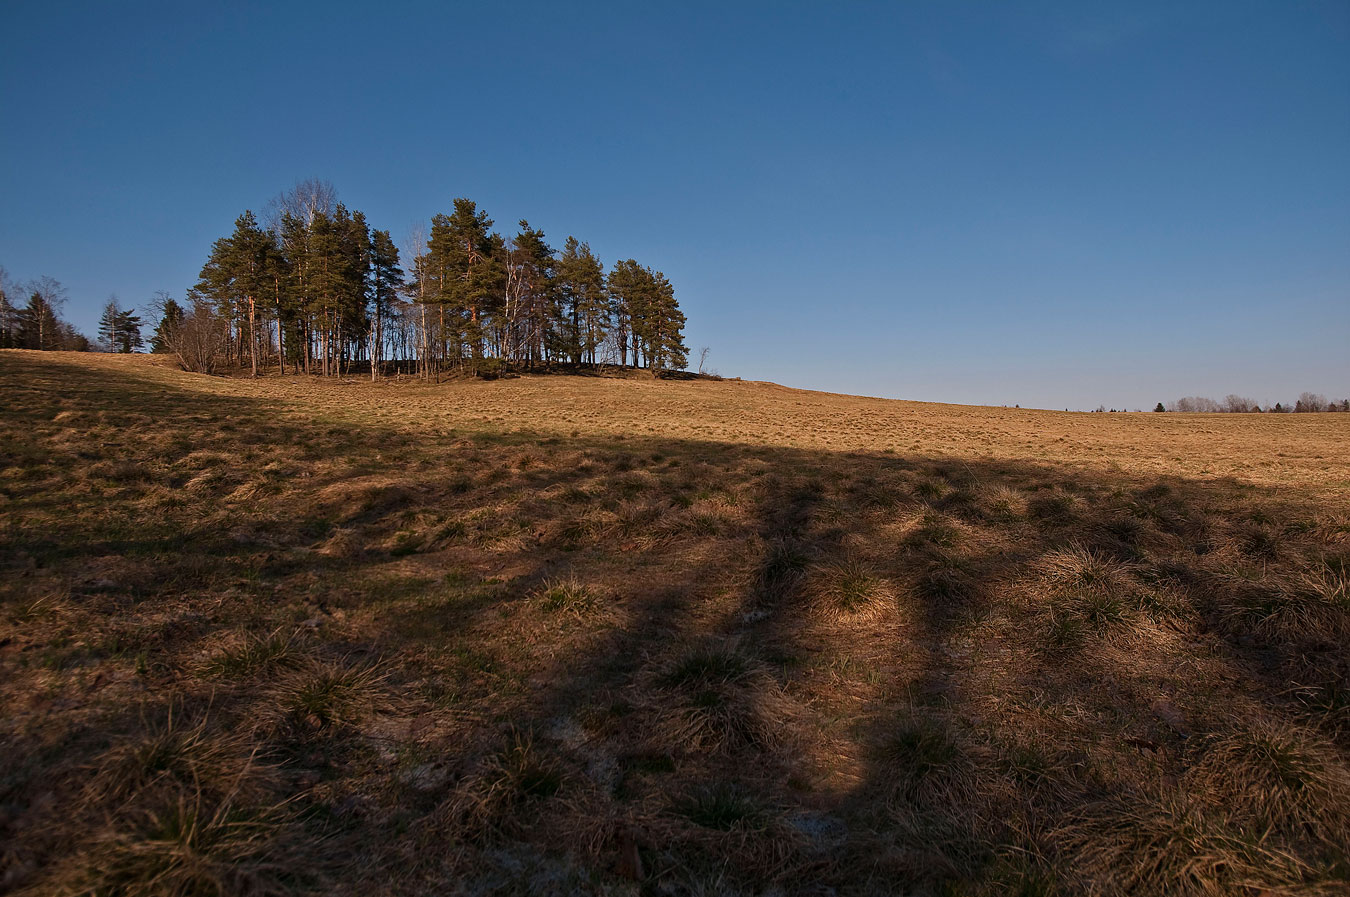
x,y
320,291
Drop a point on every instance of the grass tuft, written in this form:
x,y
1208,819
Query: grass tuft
x,y
176,753
523,772
501,798
568,596
1276,776
919,747
322,696
1051,510
723,807
188,848
783,567
705,668
933,531
849,589
1140,844
257,654
713,698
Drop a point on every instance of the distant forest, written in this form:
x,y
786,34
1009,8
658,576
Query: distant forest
x,y
1306,402
1235,404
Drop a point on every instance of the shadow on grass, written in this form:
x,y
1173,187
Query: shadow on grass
x,y
1021,647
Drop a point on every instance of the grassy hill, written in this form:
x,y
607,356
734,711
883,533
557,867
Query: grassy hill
x,y
568,634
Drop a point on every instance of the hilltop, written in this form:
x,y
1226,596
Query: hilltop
x,y
1307,453
625,635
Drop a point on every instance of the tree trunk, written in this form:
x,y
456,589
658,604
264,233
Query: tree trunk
x,y
253,335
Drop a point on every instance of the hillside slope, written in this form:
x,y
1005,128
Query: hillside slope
x,y
563,634
1308,452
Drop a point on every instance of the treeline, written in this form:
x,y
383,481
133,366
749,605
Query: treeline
x,y
1307,402
30,316
318,290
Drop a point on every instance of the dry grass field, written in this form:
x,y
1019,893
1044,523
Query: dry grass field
x,y
557,635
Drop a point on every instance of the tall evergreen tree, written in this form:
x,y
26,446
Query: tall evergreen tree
x,y
38,324
235,278
625,287
664,327
528,310
584,309
107,325
128,337
292,288
464,271
646,312
171,315
386,278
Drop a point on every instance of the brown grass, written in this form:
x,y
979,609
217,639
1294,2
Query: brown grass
x,y
617,636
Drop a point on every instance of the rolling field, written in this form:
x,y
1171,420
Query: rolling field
x,y
555,635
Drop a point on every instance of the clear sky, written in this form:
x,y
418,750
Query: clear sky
x,y
1051,204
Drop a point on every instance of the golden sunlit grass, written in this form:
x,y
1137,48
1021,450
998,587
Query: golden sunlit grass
x,y
620,636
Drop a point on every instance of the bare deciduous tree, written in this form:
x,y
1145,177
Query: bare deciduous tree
x,y
1311,401
1195,403
305,200
200,338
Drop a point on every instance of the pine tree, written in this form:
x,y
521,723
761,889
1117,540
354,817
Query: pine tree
x,y
38,324
161,343
645,309
352,324
293,294
528,311
665,327
464,273
1160,407
385,280
584,309
235,278
625,285
107,325
128,332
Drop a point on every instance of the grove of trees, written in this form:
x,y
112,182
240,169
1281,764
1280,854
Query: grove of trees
x,y
318,290
1235,404
30,316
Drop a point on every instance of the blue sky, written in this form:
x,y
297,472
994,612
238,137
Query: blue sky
x,y
1056,205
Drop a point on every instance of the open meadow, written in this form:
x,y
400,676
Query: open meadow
x,y
569,634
